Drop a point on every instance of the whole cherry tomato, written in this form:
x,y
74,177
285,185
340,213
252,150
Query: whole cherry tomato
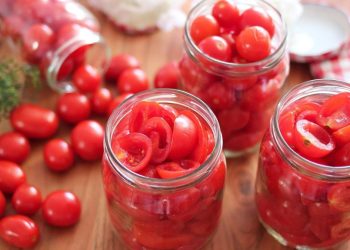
x,y
257,17
87,140
14,147
216,47
26,200
73,107
86,79
2,204
132,81
11,176
168,76
34,121
19,231
226,13
61,209
58,155
100,101
203,27
120,63
253,43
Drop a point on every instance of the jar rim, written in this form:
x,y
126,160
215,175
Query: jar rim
x,y
154,183
272,60
308,167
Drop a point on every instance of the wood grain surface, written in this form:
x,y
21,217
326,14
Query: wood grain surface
x,y
239,228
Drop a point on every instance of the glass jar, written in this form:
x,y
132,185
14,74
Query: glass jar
x,y
176,213
242,95
301,203
57,36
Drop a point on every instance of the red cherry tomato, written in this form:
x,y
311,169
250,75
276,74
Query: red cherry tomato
x,y
101,100
58,155
2,204
233,119
19,231
342,136
203,27
226,13
117,101
218,96
341,156
61,209
184,138
133,150
12,26
86,79
66,69
287,127
11,177
67,32
34,121
14,147
217,48
159,131
37,40
87,140
170,170
257,17
26,200
120,63
341,230
168,76
73,107
132,81
253,44
230,38
339,196
312,140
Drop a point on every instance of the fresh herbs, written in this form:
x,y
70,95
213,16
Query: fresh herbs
x,y
13,76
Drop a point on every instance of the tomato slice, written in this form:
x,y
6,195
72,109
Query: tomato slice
x,y
287,127
174,170
184,139
341,157
312,140
335,112
159,131
342,136
134,150
339,196
143,111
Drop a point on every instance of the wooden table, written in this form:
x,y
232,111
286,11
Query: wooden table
x,y
239,228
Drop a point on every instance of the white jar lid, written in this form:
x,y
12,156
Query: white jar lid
x,y
319,34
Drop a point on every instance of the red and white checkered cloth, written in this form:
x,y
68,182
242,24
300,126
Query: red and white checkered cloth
x,y
337,68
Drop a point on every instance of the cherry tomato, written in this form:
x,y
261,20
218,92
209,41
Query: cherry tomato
x,y
100,101
159,131
66,69
171,170
241,83
26,200
133,150
287,127
312,140
14,147
12,26
226,13
86,79
73,107
217,48
61,209
203,27
253,44
132,81
117,101
219,97
341,230
339,196
67,32
342,136
58,155
168,76
341,156
257,17
11,177
19,231
230,38
120,63
184,138
2,204
231,120
87,140
37,40
34,121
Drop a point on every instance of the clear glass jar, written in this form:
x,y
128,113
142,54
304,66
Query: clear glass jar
x,y
301,203
177,213
57,36
242,95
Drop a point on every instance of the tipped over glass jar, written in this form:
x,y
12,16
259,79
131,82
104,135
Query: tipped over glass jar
x,y
236,61
57,36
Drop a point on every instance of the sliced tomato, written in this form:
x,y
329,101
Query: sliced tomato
x,y
161,227
311,140
170,170
134,150
339,196
341,157
310,115
342,136
287,127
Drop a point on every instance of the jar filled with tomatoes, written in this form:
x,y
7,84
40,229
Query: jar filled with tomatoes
x,y
236,61
303,181
164,171
57,36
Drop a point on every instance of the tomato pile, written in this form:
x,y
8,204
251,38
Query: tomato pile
x,y
242,98
305,210
163,141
